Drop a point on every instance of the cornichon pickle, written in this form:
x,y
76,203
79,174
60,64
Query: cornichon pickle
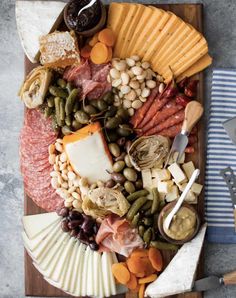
x,y
57,101
48,112
147,236
57,91
147,205
134,196
135,220
147,221
141,230
163,245
69,87
62,110
70,101
68,120
61,83
135,207
76,106
50,102
155,200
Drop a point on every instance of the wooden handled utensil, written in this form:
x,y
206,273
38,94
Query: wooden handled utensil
x,y
193,113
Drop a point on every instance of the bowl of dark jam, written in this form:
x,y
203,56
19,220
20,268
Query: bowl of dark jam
x,y
89,21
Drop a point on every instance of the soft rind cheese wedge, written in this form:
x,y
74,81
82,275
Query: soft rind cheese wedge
x,y
34,19
177,278
36,224
88,153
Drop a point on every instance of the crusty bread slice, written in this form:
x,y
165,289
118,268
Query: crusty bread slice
x,y
59,49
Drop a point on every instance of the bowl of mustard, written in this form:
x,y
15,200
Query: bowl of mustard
x,y
184,226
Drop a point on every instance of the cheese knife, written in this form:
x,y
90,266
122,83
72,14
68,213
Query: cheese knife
x,y
230,127
214,282
193,113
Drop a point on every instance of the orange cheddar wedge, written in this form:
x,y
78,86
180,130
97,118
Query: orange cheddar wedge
x,y
88,153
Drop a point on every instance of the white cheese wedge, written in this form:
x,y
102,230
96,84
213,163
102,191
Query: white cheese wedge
x,y
111,276
100,277
88,153
161,174
96,262
85,270
70,267
90,281
177,173
177,278
147,178
188,168
196,188
173,194
34,19
105,274
36,224
78,288
164,186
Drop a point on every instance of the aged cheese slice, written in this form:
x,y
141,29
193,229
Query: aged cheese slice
x,y
116,16
105,275
188,168
147,12
130,30
71,263
111,276
198,66
90,285
35,224
34,19
132,8
175,40
88,153
147,29
157,39
79,273
95,275
177,278
177,173
101,284
85,270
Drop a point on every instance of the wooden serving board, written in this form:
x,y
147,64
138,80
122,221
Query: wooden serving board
x,y
35,285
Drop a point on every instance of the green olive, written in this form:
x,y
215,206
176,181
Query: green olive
x,y
129,187
111,112
89,109
114,149
66,130
130,174
124,130
112,123
82,117
76,125
127,161
109,97
112,136
139,184
123,113
102,105
118,166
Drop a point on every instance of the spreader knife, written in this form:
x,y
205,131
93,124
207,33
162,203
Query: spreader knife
x,y
213,282
193,113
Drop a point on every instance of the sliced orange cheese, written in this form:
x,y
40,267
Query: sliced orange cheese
x,y
88,153
116,16
147,29
201,64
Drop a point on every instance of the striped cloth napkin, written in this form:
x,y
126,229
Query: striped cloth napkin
x,y
221,152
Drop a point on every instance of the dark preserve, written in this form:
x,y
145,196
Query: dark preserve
x,y
88,19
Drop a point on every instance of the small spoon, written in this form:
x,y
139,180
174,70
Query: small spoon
x,y
86,6
181,199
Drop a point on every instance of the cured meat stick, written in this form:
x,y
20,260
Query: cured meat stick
x,y
140,113
168,110
172,131
171,121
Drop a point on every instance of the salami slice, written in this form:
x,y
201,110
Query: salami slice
x,y
81,72
172,131
168,110
171,121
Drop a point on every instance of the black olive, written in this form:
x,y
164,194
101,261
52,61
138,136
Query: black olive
x,y
73,214
74,224
95,228
64,226
63,212
93,245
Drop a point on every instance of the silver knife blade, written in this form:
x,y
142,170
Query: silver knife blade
x,y
207,283
230,127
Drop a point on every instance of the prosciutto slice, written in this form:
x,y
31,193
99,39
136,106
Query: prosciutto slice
x,y
116,234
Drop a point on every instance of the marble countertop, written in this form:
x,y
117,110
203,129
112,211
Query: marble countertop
x,y
220,28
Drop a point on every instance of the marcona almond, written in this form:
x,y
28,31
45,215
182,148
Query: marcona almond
x,y
125,89
59,147
125,78
52,158
134,84
145,92
136,104
115,74
131,111
121,66
135,58
130,62
51,149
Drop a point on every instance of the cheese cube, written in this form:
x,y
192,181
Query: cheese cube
x,y
191,197
154,182
182,186
147,178
161,174
196,188
188,168
88,153
164,186
177,173
173,194
174,156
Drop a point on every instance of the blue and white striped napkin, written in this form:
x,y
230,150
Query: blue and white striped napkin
x,y
221,152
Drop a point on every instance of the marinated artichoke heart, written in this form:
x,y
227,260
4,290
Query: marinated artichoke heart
x,y
148,152
103,201
35,87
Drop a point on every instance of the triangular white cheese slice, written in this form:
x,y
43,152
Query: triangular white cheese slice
x,y
34,19
179,275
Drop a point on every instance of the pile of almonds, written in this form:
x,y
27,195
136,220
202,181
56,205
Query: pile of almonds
x,y
63,179
132,80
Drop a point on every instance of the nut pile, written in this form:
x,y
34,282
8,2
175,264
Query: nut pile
x,y
66,182
133,80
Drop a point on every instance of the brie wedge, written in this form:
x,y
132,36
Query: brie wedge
x,y
34,19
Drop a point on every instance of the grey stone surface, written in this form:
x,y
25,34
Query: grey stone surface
x,y
220,28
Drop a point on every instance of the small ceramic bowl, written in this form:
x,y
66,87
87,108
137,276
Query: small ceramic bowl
x,y
92,31
162,215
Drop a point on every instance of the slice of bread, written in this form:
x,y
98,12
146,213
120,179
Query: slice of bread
x,y
59,49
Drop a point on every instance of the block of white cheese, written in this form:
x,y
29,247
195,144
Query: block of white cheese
x,y
164,186
147,178
178,278
88,153
173,194
188,168
196,188
34,19
177,173
161,174
35,224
